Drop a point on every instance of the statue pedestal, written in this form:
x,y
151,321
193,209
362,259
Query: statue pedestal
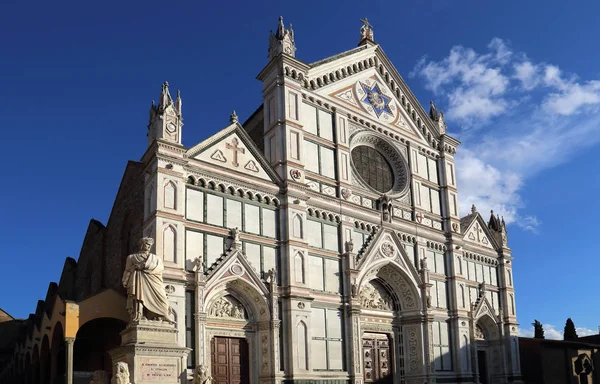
x,y
150,350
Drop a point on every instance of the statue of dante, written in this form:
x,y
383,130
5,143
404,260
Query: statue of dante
x,y
144,283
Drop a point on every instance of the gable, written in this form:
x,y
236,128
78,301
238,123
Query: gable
x,y
478,234
233,150
368,94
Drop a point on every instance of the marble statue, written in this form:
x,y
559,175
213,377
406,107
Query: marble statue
x,y
120,373
144,283
201,375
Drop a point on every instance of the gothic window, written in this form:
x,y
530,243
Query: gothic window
x,y
327,342
301,345
299,268
373,168
170,192
297,226
441,347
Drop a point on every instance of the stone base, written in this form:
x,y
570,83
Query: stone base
x,y
150,350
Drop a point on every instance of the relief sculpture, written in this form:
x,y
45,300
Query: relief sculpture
x,y
230,308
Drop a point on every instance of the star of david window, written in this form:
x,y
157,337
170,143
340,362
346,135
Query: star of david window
x,y
373,168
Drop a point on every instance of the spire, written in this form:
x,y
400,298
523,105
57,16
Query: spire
x,y
433,112
178,102
366,32
282,41
233,118
165,97
437,117
473,209
494,222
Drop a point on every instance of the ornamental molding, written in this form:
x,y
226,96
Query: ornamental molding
x,y
224,186
480,258
392,154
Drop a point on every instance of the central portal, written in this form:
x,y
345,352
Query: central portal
x,y
229,361
377,359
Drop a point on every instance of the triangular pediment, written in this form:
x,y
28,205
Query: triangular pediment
x,y
482,308
233,149
365,81
234,264
478,233
385,246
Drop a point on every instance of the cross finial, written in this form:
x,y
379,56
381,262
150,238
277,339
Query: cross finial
x,y
233,118
473,209
366,23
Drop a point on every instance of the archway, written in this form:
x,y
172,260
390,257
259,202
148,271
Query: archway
x,y
58,354
93,341
389,308
237,319
488,346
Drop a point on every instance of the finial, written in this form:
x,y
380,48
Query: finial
x,y
473,209
366,31
178,94
492,212
433,112
282,41
233,118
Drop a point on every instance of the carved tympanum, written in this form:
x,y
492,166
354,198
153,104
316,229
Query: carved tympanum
x,y
374,296
228,307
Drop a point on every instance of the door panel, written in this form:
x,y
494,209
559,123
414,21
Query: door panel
x,y
229,361
377,359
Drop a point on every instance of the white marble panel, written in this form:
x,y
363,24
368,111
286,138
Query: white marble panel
x,y
294,145
441,285
425,201
435,201
269,222
335,355
319,354
494,275
325,125
252,219
309,117
432,167
440,267
311,156
234,214
332,275
214,210
253,255
169,195
317,322
194,205
330,237
169,244
269,258
194,245
327,162
315,277
313,233
214,248
422,164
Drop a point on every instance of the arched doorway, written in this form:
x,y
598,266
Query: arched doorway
x,y
488,346
93,341
58,354
389,308
237,339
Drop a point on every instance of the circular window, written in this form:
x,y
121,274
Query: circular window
x,y
378,165
373,168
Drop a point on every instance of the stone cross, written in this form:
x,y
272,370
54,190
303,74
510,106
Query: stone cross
x,y
236,149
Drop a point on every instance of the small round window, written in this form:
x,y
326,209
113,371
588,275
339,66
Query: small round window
x,y
373,168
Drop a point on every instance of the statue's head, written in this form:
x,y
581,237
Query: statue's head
x,y
146,243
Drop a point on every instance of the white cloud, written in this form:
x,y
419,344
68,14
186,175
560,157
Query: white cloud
x,y
515,118
527,74
552,332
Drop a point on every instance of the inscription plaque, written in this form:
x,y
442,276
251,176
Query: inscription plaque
x,y
153,369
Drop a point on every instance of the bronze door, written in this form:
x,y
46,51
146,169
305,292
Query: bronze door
x,y
229,361
377,358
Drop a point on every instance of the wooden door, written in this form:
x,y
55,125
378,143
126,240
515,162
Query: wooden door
x,y
377,359
229,361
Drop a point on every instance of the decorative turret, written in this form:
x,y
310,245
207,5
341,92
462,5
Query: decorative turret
x,y
165,118
494,222
282,41
498,228
366,33
437,117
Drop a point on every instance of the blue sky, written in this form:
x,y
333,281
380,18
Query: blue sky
x,y
518,81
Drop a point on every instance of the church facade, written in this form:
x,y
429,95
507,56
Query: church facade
x,y
318,242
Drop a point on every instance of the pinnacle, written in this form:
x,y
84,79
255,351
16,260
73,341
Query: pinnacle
x,y
233,118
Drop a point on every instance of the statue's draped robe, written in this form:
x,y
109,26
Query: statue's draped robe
x,y
146,285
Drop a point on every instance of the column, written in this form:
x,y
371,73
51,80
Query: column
x,y
69,342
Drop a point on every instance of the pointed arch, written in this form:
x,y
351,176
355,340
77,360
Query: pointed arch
x,y
297,226
397,280
299,268
254,300
169,244
302,345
